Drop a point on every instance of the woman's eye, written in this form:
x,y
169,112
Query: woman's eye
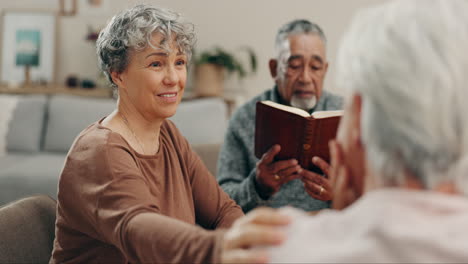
x,y
180,62
155,64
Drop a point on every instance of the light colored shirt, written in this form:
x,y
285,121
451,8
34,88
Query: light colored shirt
x,y
387,225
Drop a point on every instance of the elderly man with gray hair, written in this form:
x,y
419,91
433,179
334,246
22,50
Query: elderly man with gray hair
x,y
298,71
402,146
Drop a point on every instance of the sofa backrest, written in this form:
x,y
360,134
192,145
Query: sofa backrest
x,y
26,126
69,115
202,121
54,122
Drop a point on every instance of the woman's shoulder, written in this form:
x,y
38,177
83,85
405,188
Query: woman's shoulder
x,y
172,137
97,138
97,150
169,129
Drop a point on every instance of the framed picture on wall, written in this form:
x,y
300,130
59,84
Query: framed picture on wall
x,y
28,47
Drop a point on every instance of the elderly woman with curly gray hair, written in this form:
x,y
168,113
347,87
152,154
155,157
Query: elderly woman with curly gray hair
x,y
132,189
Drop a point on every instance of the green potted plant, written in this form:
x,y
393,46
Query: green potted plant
x,y
212,65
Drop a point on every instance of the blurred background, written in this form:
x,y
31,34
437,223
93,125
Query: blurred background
x,y
51,88
230,25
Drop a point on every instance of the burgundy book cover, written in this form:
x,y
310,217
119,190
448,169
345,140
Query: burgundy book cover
x,y
299,137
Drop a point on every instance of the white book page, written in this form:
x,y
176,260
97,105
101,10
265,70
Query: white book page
x,y
297,111
324,114
286,108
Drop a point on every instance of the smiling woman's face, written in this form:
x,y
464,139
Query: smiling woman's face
x,y
154,79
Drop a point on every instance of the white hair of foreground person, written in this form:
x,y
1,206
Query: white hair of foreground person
x,y
409,61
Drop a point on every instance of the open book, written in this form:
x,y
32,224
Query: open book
x,y
300,135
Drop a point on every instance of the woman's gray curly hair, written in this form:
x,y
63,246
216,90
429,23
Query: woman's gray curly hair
x,y
133,28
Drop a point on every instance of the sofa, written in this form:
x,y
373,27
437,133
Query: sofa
x,y
28,230
42,128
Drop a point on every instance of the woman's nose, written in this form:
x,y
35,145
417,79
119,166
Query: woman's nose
x,y
171,77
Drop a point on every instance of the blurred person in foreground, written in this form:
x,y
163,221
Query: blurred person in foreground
x,y
405,130
132,189
299,71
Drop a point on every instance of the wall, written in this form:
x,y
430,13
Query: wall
x,y
229,24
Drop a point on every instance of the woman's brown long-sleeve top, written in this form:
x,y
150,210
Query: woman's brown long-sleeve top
x,y
117,206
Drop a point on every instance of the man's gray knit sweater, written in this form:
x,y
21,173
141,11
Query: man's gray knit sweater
x,y
237,161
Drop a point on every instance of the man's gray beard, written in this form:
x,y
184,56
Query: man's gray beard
x,y
304,104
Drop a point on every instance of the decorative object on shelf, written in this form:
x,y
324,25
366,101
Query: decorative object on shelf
x,y
72,81
211,66
28,47
88,84
92,34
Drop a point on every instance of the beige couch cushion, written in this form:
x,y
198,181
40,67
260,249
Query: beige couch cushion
x,y
202,121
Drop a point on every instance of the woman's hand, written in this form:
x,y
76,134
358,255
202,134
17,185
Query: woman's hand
x,y
259,228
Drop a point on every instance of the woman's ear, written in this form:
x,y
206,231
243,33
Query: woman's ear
x,y
356,158
357,122
117,79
